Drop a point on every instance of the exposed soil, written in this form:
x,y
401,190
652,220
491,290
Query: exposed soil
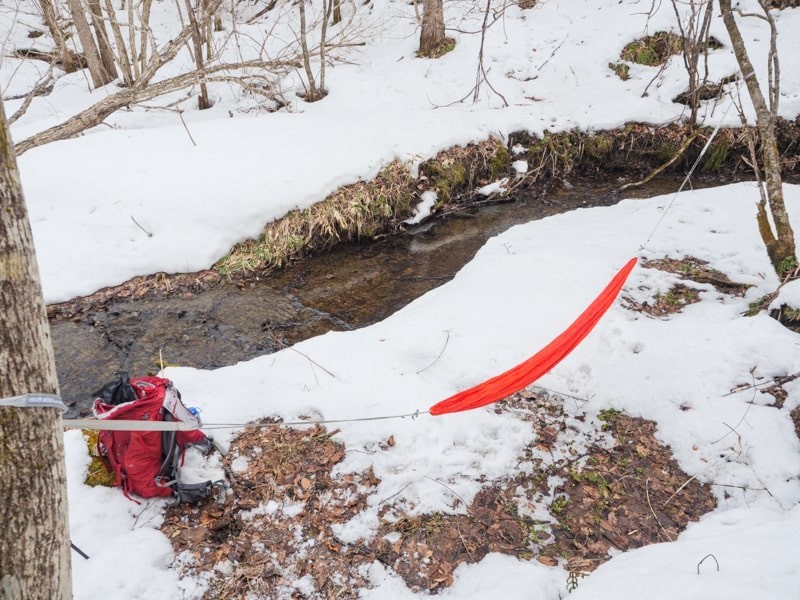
x,y
681,295
620,489
777,391
276,526
625,497
673,301
697,270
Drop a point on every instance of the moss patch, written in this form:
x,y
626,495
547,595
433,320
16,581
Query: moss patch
x,y
788,316
447,45
652,50
621,70
455,173
761,304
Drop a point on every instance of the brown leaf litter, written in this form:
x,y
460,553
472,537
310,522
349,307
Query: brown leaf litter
x,y
680,295
606,484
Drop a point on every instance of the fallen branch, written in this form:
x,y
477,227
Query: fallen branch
x,y
148,235
703,560
653,512
96,114
666,165
438,356
43,87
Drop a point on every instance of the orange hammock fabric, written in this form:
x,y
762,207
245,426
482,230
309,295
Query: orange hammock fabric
x,y
526,373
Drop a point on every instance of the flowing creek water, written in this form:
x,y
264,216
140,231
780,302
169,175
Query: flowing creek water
x,y
353,286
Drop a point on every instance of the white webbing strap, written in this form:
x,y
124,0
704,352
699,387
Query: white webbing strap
x,y
124,425
37,400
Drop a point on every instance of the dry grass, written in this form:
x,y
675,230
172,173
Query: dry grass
x,y
375,208
360,211
368,209
456,172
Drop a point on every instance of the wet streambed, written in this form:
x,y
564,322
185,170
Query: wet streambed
x,y
351,287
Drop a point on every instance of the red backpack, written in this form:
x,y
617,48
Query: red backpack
x,y
146,462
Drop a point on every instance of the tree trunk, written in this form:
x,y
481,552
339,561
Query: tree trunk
x,y
313,93
780,246
34,536
694,34
100,76
106,53
197,42
50,15
337,11
432,36
122,58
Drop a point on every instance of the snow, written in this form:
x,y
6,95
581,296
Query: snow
x,y
521,289
494,188
423,210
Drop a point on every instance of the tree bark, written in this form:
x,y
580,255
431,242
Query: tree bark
x,y
313,93
106,53
197,42
780,246
50,15
337,12
100,76
695,43
432,36
34,536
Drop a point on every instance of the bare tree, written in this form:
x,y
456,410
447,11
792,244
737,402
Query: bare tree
x,y
780,242
695,36
314,91
432,36
51,18
98,71
34,537
256,68
203,101
103,43
337,12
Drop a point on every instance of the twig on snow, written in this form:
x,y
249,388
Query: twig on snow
x,y
703,560
438,356
140,227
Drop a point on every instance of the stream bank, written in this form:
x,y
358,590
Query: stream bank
x,y
350,260
208,321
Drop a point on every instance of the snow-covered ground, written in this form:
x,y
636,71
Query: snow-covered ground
x,y
551,65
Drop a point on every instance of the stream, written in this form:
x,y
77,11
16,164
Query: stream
x,y
352,286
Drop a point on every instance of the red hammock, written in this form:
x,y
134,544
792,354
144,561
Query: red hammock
x,y
526,373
